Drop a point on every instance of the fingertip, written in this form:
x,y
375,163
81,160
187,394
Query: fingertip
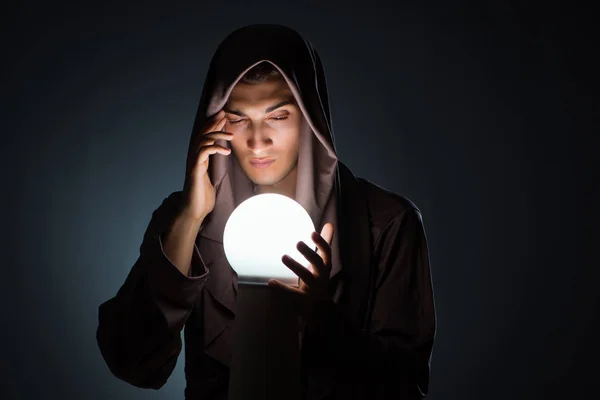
x,y
218,116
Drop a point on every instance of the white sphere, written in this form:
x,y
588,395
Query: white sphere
x,y
260,231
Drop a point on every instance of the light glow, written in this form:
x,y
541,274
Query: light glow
x,y
260,231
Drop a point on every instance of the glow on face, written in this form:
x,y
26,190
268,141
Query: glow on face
x,y
265,121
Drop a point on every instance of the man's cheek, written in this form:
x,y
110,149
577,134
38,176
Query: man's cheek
x,y
235,145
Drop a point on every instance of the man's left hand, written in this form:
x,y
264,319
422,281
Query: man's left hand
x,y
313,281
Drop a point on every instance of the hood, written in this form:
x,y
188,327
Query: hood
x,y
301,67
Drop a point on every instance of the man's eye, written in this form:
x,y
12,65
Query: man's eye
x,y
237,121
280,118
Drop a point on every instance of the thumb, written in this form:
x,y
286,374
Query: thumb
x,y
327,232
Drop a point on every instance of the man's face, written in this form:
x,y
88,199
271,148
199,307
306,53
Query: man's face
x,y
265,122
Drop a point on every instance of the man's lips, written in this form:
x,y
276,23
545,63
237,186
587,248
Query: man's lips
x,y
261,162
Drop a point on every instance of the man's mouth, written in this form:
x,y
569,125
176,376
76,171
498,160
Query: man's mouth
x,y
261,162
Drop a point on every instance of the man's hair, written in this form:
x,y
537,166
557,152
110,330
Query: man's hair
x,y
263,72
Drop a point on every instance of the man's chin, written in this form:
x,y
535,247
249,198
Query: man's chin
x,y
264,182
265,177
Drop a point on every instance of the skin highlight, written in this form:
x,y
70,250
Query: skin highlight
x,y
265,121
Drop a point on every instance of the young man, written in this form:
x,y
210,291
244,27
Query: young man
x,y
368,303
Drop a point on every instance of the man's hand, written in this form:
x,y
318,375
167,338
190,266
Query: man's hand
x,y
198,191
313,281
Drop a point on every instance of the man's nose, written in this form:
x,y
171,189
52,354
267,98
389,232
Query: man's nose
x,y
259,139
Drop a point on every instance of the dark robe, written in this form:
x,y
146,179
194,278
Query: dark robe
x,y
373,340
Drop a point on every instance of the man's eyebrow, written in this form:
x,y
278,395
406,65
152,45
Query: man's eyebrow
x,y
276,106
236,112
268,110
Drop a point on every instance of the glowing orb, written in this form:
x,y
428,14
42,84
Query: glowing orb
x,y
260,231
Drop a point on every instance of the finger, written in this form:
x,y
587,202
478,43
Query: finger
x,y
218,115
302,272
323,252
216,123
208,150
301,285
212,137
274,283
327,232
221,124
213,129
323,242
312,257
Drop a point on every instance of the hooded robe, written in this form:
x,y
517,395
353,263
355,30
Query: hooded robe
x,y
373,340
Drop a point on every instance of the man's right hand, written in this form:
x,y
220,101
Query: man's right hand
x,y
199,192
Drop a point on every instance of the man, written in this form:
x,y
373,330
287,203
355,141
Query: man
x,y
367,301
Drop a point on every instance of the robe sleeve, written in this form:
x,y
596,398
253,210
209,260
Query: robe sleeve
x,y
393,352
139,330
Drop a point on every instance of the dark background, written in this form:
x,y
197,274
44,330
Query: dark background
x,y
483,113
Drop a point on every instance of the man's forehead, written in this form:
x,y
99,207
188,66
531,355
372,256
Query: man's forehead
x,y
260,92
